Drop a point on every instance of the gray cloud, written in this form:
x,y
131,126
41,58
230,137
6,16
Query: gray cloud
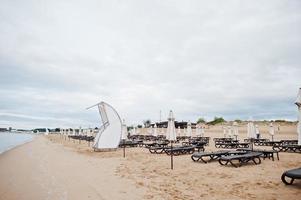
x,y
198,58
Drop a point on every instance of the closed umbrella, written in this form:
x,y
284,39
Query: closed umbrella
x,y
171,134
124,131
198,130
251,130
171,129
272,130
155,131
189,131
179,131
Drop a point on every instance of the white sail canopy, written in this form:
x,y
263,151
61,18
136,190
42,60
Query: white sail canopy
x,y
109,134
298,103
171,129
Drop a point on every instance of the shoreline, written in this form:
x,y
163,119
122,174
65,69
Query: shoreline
x,y
16,146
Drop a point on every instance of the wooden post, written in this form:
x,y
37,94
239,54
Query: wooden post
x,y
171,156
123,150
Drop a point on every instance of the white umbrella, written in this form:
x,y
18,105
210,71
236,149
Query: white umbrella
x,y
134,131
179,131
235,129
198,130
298,103
189,131
124,131
224,131
257,130
155,131
229,131
171,129
251,130
272,130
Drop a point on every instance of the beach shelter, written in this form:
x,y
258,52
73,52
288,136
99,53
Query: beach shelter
x,y
124,131
171,129
272,130
155,131
189,130
109,134
298,103
251,130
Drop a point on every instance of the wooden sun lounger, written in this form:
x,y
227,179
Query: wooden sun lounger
x,y
292,174
238,160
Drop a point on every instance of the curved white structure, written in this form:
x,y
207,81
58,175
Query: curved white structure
x,y
109,134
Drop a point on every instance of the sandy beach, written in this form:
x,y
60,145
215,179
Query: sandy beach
x,y
51,167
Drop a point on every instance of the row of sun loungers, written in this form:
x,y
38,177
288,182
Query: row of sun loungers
x,y
235,158
176,150
229,143
82,137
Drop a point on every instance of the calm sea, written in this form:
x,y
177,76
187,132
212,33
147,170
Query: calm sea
x,y
11,140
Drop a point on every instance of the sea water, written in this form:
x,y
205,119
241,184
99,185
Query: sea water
x,y
10,140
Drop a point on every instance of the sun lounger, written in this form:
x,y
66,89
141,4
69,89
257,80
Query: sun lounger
x,y
292,148
200,156
180,150
292,174
238,160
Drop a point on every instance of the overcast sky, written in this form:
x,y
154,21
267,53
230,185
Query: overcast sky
x,y
236,59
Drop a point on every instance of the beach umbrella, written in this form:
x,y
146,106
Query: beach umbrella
x,y
155,131
171,129
298,103
124,131
229,131
171,134
188,131
257,130
46,131
272,130
202,131
179,131
134,131
251,130
235,129
198,130
224,131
